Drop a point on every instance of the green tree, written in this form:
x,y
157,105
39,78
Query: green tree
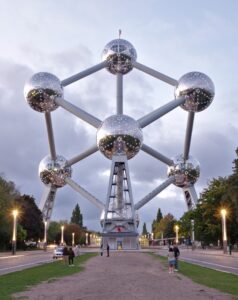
x,y
77,217
8,193
54,232
156,221
30,217
144,230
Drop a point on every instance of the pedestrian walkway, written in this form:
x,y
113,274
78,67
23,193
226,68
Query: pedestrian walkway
x,y
123,275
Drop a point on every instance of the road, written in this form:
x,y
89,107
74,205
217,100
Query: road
x,y
208,258
22,260
213,259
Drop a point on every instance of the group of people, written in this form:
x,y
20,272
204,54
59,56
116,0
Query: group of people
x,y
68,255
173,255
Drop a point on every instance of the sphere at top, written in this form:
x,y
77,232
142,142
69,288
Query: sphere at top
x,y
41,90
186,172
198,90
119,135
120,55
54,171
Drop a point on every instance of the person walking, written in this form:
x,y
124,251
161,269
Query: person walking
x,y
171,260
71,257
101,249
176,256
108,249
65,255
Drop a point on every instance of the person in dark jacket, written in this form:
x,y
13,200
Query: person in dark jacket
x,y
65,255
108,249
71,257
176,255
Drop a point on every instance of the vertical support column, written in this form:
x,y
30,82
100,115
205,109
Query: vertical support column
x,y
119,185
119,94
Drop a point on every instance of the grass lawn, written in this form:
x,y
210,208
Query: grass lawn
x,y
21,280
224,282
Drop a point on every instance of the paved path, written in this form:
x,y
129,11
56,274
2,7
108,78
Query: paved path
x,y
126,276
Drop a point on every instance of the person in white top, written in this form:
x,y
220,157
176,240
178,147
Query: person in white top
x,y
171,260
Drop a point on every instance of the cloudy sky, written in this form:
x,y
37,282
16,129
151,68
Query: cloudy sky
x,y
66,37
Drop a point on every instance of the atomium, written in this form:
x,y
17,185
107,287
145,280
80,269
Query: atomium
x,y
198,90
186,172
41,90
54,172
120,55
118,135
119,138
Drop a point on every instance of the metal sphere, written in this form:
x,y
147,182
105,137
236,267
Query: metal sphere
x,y
54,171
119,135
121,55
186,172
41,90
198,90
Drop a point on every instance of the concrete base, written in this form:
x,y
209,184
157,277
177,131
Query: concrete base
x,y
127,241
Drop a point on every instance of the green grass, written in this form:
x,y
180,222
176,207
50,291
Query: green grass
x,y
224,282
21,280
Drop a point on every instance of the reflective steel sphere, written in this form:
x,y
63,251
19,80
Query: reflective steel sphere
x,y
119,135
54,171
198,90
121,55
41,90
186,172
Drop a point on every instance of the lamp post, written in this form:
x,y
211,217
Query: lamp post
x,y
193,234
224,234
176,232
62,235
73,243
14,234
86,238
45,236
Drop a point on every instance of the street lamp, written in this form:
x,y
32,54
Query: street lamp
x,y
73,243
62,235
14,234
176,232
224,234
86,238
45,236
193,234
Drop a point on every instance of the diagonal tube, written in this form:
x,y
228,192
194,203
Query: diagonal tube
x,y
84,73
78,112
155,192
155,74
119,94
157,155
81,156
158,113
188,136
50,135
84,193
47,202
190,196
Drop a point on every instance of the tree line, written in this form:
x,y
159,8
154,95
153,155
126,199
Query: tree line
x,y
30,225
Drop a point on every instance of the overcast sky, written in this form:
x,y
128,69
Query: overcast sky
x,y
66,37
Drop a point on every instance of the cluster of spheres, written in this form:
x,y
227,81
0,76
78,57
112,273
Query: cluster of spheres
x,y
54,172
186,172
119,134
120,55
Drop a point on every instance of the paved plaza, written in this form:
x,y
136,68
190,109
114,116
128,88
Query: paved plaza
x,y
123,275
